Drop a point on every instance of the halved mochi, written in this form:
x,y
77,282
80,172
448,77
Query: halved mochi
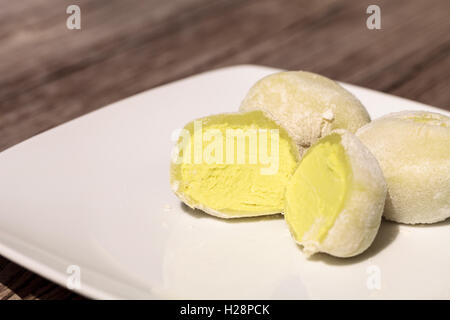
x,y
413,149
335,199
306,104
233,165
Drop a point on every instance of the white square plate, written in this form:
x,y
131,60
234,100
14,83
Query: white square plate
x,y
95,193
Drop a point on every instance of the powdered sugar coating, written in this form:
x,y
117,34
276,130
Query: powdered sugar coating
x,y
307,105
413,149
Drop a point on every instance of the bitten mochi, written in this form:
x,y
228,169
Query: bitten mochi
x,y
233,165
335,199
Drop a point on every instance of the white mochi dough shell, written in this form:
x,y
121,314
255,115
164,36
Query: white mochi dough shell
x,y
413,149
306,104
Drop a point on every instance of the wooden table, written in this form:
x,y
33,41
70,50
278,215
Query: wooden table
x,y
49,74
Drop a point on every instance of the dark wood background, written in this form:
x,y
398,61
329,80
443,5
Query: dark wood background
x,y
49,74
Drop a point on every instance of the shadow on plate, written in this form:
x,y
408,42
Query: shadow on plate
x,y
198,214
386,235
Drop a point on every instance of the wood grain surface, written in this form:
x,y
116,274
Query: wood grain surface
x,y
49,74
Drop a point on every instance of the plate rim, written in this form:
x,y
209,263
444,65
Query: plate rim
x,y
87,290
